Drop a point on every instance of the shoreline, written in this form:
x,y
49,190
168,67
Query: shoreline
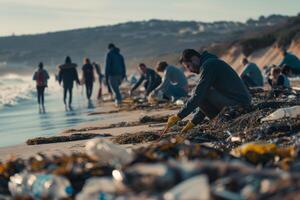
x,y
26,151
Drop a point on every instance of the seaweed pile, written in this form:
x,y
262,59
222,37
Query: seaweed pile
x,y
70,138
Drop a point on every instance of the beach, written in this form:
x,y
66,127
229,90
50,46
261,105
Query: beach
x,y
25,151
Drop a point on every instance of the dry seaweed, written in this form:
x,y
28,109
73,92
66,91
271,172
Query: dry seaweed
x,y
58,139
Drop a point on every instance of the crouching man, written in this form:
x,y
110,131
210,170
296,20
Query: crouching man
x,y
219,86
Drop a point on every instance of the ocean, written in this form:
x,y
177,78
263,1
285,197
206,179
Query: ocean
x,y
20,118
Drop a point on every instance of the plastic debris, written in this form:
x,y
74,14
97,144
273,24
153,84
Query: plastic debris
x,y
40,186
101,188
108,153
290,112
196,188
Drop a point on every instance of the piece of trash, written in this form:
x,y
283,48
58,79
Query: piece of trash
x,y
40,186
108,153
196,188
290,112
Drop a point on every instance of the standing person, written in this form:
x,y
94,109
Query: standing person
x,y
219,86
100,79
41,77
88,77
151,78
174,84
251,74
115,72
291,61
68,74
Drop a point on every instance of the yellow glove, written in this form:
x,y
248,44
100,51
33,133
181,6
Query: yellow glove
x,y
172,121
188,127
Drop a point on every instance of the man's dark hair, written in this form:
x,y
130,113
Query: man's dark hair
x,y
111,46
245,60
187,55
68,60
161,66
142,65
41,65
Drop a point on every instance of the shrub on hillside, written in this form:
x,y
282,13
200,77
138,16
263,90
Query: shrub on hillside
x,y
252,44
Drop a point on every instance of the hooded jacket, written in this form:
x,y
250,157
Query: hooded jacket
x,y
216,74
68,74
115,65
291,60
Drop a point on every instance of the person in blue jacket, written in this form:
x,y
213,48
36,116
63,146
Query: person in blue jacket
x,y
115,72
291,61
251,74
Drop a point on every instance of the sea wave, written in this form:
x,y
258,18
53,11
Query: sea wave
x,y
15,89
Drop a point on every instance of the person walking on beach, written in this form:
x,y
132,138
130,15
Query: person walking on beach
x,y
150,77
115,72
251,74
100,79
41,77
88,77
219,86
67,75
174,84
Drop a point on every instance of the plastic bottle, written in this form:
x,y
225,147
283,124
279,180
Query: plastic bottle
x,y
193,188
104,188
290,112
39,186
108,153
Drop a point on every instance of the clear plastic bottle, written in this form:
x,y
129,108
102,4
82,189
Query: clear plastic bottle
x,y
108,153
40,186
104,188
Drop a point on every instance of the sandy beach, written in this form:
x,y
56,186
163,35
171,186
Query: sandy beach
x,y
25,151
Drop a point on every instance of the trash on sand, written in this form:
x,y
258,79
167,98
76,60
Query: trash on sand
x,y
290,112
260,152
40,186
196,188
108,153
101,188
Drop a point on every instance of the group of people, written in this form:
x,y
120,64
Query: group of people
x,y
219,84
66,77
276,76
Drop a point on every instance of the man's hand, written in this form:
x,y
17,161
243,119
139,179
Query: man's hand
x,y
188,127
172,121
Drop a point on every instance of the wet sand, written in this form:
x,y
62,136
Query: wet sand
x,y
25,151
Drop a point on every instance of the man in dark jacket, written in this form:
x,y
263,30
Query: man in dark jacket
x,y
115,71
151,78
88,77
68,74
219,86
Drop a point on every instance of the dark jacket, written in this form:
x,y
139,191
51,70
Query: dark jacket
x,y
115,65
68,74
216,74
291,60
88,73
152,78
282,81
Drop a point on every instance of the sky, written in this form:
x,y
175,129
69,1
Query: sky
x,y
38,16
